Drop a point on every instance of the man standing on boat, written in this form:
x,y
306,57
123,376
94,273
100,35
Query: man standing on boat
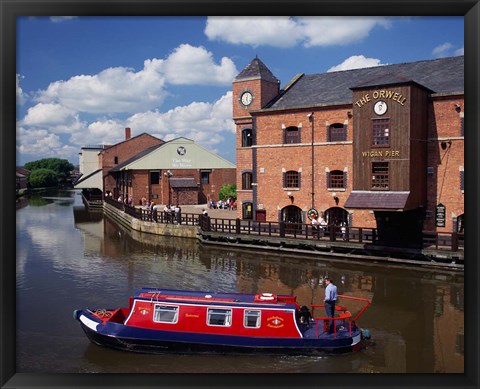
x,y
330,300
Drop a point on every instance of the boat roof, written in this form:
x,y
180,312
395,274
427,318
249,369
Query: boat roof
x,y
214,298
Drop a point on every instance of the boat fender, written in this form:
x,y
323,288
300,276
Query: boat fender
x,y
76,314
366,334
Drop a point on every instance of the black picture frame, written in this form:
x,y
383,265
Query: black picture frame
x,y
10,9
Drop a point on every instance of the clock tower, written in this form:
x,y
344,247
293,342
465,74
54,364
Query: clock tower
x,y
253,89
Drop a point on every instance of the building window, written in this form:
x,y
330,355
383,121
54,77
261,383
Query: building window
x,y
251,319
247,137
205,177
247,210
462,180
247,181
291,135
291,179
381,132
380,175
336,179
337,132
115,160
219,317
154,178
165,314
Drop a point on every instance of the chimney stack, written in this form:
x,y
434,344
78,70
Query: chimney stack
x,y
128,133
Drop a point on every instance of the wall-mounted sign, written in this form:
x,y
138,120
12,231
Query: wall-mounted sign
x,y
380,94
381,153
440,215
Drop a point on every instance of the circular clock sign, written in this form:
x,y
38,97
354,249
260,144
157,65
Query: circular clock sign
x,y
380,107
246,98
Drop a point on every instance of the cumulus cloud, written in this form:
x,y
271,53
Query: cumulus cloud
x,y
110,91
189,65
291,31
203,122
356,62
281,31
57,123
42,143
446,49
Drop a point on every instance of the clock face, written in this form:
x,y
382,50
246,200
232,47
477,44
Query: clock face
x,y
380,107
246,98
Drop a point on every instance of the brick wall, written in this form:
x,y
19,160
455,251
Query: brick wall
x,y
443,183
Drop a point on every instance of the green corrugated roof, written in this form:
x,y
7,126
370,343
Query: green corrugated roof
x,y
179,153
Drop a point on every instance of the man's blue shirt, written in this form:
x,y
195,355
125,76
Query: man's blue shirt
x,y
331,292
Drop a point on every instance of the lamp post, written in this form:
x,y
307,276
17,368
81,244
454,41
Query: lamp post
x,y
169,174
311,118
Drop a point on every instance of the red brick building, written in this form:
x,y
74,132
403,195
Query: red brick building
x,y
375,147
178,172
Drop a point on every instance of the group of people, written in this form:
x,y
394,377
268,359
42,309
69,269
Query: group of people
x,y
229,203
320,224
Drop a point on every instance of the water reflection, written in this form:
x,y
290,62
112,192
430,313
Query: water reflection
x,y
416,317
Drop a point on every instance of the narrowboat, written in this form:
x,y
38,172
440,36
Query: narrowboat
x,y
162,320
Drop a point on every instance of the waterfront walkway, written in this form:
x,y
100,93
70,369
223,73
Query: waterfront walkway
x,y
223,228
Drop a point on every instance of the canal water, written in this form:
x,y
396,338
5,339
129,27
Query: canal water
x,y
68,258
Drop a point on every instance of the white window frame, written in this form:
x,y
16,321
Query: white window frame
x,y
246,314
170,308
226,311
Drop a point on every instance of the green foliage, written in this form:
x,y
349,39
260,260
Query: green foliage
x,y
42,178
228,190
60,166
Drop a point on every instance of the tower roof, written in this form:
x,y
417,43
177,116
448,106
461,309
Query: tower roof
x,y
256,69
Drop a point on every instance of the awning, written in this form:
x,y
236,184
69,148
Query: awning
x,y
183,183
91,181
376,200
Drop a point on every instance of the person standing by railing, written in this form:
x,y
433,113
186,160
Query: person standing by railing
x,y
330,300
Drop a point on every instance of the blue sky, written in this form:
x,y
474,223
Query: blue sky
x,y
82,80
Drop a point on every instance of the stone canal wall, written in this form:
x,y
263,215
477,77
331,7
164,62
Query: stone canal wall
x,y
128,221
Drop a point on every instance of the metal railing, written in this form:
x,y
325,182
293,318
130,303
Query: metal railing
x,y
448,241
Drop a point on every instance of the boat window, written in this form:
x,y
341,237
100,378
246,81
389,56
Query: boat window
x,y
219,317
165,314
252,319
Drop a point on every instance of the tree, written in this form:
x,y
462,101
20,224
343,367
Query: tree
x,y
60,166
228,190
42,178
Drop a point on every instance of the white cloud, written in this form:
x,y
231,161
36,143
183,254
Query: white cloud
x,y
203,122
442,50
356,62
189,65
447,49
47,115
280,31
21,97
62,107
110,91
290,31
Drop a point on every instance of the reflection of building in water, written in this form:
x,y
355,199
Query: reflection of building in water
x,y
449,334
91,225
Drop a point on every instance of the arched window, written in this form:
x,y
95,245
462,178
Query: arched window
x,y
337,132
247,210
247,137
336,216
247,181
337,179
291,135
291,179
